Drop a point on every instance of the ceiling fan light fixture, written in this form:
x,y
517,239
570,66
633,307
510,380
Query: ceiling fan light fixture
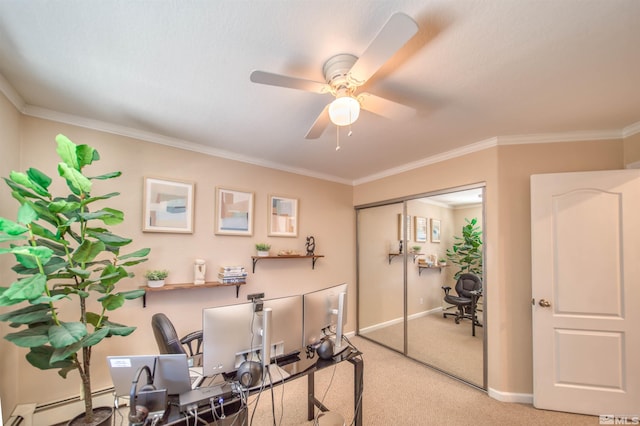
x,y
344,110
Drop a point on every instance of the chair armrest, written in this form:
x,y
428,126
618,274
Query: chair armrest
x,y
189,339
446,289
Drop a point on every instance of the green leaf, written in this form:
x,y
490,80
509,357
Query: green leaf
x,y
112,302
138,253
108,176
133,294
75,179
63,206
67,333
30,337
24,180
87,251
118,329
95,338
40,357
39,178
11,228
28,288
42,253
23,315
67,151
102,197
108,238
65,352
26,214
86,155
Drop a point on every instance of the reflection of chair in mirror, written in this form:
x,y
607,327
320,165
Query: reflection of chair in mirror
x,y
169,343
469,290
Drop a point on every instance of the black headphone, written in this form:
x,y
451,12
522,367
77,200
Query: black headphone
x,y
324,349
138,413
249,373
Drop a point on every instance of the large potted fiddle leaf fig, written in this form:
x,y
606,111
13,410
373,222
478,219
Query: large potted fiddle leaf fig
x,y
64,251
466,252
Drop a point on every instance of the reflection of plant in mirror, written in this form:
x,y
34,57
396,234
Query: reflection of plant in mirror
x,y
467,250
416,249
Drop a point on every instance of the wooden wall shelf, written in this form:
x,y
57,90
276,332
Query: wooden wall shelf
x,y
188,286
421,267
313,259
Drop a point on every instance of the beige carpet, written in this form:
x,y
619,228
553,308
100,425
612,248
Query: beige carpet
x,y
439,342
399,391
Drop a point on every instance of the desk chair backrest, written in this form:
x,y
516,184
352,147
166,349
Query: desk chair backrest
x,y
467,283
166,336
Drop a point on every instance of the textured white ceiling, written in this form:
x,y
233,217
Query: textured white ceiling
x,y
177,72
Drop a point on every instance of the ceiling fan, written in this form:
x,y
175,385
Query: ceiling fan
x,y
345,73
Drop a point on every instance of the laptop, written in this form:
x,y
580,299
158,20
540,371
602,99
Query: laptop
x,y
169,371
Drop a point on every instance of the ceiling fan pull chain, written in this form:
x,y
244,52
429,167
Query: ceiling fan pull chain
x,y
337,138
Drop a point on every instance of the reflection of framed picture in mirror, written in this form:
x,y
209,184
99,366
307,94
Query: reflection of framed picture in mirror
x,y
168,206
435,231
283,216
420,227
234,212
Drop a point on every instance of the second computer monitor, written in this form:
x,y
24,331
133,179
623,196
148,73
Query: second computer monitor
x,y
325,314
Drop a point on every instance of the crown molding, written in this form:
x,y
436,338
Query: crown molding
x,y
580,136
11,94
631,130
75,120
458,152
88,123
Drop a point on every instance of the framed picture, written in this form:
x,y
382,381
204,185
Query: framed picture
x,y
234,212
168,206
435,231
283,216
420,227
401,224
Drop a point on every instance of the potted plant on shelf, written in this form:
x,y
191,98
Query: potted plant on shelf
x,y
416,249
263,249
155,277
65,252
466,252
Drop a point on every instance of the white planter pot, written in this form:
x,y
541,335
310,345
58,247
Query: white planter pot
x,y
263,253
155,283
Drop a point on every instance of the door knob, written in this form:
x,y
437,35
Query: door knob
x,y
544,303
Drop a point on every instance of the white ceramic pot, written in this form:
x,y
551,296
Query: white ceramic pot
x,y
263,253
155,283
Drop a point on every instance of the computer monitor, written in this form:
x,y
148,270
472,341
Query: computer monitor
x,y
169,371
325,314
233,334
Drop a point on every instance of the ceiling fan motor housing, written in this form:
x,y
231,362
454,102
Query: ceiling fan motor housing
x,y
336,71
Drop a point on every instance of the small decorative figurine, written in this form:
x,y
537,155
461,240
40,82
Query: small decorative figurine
x,y
311,245
199,270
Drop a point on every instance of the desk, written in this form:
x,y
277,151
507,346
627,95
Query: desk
x,y
302,367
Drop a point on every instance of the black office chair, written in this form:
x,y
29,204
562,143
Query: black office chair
x,y
469,290
169,343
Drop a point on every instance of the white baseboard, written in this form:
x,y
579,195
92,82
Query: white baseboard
x,y
522,398
399,320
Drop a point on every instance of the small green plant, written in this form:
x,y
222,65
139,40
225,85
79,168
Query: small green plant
x,y
263,247
442,260
416,249
156,274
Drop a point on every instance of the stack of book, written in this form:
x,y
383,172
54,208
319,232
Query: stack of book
x,y
232,275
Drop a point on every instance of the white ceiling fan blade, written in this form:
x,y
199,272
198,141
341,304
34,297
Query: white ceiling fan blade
x,y
319,125
397,31
272,79
385,107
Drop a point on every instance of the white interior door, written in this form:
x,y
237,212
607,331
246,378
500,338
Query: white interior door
x,y
586,291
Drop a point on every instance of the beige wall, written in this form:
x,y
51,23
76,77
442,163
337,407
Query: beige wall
x,y
326,212
9,160
632,150
505,171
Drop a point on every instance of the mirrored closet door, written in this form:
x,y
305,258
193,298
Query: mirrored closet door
x,y
402,269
